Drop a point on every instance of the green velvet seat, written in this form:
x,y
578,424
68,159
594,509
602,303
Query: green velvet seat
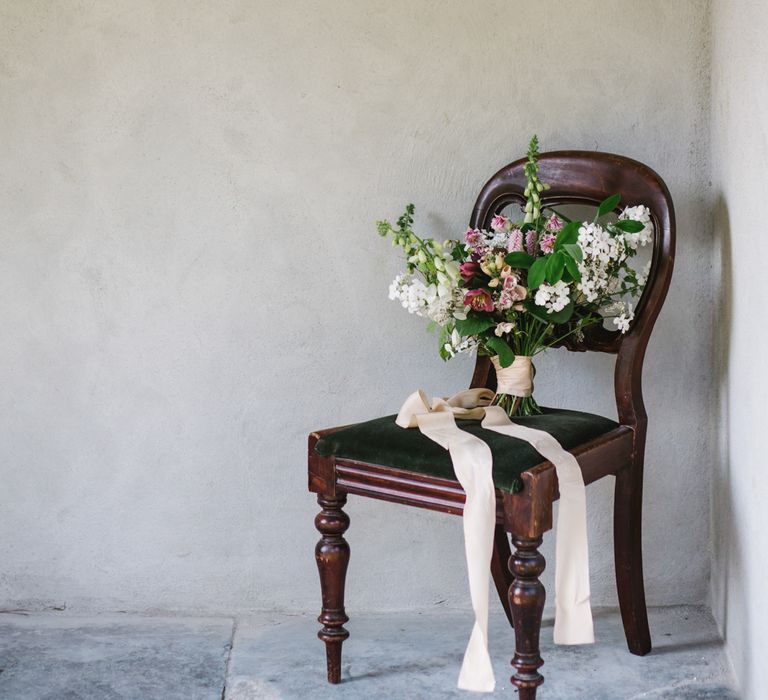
x,y
381,441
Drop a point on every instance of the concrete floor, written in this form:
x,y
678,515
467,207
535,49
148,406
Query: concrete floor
x,y
400,655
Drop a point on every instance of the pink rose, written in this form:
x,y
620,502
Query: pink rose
x,y
515,243
547,243
479,300
499,222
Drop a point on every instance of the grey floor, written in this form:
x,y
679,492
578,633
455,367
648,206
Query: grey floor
x,y
400,655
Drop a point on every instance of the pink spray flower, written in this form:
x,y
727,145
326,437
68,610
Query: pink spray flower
x,y
554,224
547,243
515,242
499,222
530,242
479,300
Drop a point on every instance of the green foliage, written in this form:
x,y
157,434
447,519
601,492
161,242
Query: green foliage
x,y
562,316
537,273
519,260
502,349
608,205
629,225
555,267
574,251
573,268
473,324
568,235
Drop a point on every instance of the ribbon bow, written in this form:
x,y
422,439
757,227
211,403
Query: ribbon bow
x,y
473,464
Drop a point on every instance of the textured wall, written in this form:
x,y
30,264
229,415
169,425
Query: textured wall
x,y
190,278
740,487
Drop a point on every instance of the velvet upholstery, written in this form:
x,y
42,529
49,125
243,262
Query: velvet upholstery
x,y
381,441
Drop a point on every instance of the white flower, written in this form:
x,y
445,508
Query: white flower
x,y
642,214
600,253
624,319
553,297
456,344
502,328
438,302
642,277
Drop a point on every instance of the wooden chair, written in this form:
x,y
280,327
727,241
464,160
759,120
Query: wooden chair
x,y
360,460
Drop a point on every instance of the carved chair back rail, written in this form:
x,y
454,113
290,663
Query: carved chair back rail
x,y
576,177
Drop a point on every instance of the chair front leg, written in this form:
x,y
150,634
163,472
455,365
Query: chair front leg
x,y
332,556
526,599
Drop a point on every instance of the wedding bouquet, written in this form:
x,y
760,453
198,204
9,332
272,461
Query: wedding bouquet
x,y
525,285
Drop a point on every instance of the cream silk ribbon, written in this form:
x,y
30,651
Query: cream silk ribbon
x,y
473,464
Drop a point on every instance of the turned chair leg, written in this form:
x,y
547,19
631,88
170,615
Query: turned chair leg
x,y
628,555
526,598
332,556
502,579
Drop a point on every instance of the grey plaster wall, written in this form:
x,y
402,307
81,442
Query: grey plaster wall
x,y
740,487
190,279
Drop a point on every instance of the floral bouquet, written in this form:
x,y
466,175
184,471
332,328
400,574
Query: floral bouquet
x,y
525,285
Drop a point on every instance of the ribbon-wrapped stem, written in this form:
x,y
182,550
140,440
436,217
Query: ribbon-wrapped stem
x,y
514,387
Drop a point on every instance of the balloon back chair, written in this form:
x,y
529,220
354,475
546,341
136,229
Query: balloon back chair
x,y
380,460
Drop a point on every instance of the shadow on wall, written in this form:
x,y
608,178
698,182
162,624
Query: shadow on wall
x,y
727,554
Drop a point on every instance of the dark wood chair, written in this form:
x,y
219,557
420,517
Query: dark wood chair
x,y
525,511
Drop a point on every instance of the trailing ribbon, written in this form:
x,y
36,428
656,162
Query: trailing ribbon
x,y
473,464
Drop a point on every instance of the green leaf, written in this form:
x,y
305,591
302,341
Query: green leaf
x,y
568,235
559,215
538,312
519,260
500,347
573,268
574,250
563,315
608,205
473,324
537,273
555,267
629,225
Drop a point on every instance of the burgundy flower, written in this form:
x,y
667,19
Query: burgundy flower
x,y
479,300
468,270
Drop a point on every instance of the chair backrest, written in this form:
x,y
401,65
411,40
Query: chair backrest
x,y
588,177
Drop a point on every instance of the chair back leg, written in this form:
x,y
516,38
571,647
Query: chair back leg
x,y
502,578
628,554
332,556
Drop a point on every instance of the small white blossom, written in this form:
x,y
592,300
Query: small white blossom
x,y
553,297
642,276
601,252
642,214
502,328
623,320
456,344
438,302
